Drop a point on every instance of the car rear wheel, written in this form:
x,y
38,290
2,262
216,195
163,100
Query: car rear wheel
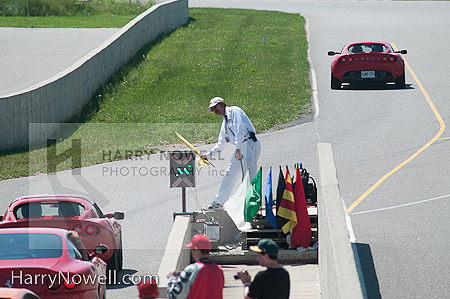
x,y
112,265
400,81
120,255
335,82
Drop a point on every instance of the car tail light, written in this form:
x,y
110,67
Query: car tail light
x,y
385,58
90,230
78,228
53,284
69,282
345,59
392,59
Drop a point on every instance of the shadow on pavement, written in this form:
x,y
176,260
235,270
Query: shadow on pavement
x,y
368,270
374,87
123,279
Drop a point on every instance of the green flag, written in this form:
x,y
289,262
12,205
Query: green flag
x,y
253,198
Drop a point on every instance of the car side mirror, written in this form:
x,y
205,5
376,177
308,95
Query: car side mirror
x,y
332,53
116,215
99,250
119,215
402,52
1,218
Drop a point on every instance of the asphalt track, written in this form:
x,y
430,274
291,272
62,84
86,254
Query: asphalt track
x,y
392,142
32,55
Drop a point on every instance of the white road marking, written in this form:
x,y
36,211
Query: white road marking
x,y
403,205
313,72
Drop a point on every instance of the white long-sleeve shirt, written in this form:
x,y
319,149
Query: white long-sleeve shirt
x,y
235,127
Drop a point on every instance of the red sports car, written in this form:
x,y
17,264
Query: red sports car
x,y
368,62
71,212
45,261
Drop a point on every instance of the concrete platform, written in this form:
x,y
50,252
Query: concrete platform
x,y
302,266
339,277
240,256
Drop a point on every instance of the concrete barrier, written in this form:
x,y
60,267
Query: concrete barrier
x,y
176,255
337,267
59,98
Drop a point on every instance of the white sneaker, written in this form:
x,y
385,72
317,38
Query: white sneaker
x,y
214,206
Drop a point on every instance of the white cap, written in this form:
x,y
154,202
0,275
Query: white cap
x,y
214,102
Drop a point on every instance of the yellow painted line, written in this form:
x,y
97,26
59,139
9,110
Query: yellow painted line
x,y
441,131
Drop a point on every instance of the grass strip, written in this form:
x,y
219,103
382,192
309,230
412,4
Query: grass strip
x,y
70,13
253,59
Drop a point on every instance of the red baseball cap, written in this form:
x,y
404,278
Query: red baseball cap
x,y
200,241
148,288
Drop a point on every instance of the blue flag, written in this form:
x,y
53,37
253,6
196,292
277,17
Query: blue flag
x,y
269,201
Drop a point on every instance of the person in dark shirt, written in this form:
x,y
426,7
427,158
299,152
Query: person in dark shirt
x,y
273,283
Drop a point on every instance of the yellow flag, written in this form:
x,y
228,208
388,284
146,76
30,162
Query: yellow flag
x,y
201,162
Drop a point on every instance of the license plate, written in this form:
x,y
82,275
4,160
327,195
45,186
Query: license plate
x,y
368,74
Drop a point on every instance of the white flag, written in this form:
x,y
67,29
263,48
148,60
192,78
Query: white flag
x,y
235,205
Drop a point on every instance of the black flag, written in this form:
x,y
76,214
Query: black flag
x,y
280,190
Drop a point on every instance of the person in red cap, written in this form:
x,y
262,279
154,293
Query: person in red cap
x,y
200,280
148,288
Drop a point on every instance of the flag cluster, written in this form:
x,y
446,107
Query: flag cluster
x,y
292,212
